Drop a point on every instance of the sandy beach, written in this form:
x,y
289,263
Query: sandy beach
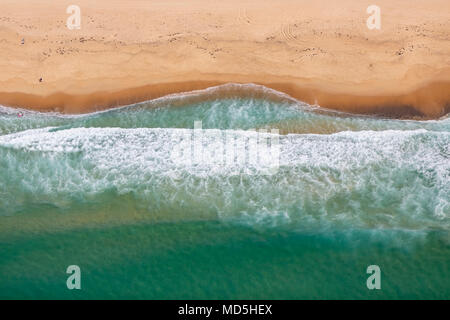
x,y
191,150
318,52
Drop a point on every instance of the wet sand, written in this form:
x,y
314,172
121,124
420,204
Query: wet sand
x,y
317,52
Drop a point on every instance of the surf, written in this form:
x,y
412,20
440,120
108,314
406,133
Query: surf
x,y
366,179
333,170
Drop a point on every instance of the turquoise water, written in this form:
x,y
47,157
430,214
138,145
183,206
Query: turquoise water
x,y
110,192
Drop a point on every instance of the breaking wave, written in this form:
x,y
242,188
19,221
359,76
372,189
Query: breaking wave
x,y
332,170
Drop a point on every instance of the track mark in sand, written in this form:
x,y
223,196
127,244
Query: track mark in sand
x,y
243,17
287,32
291,25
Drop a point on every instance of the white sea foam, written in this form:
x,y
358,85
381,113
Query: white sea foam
x,y
366,179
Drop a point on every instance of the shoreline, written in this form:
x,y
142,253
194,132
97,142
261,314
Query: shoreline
x,y
321,53
431,101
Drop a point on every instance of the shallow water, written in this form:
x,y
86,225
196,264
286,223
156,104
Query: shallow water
x,y
150,207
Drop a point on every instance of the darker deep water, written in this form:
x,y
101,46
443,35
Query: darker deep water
x,y
103,191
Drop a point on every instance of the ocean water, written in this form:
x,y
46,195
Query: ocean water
x,y
149,206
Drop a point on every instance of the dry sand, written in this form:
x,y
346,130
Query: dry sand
x,y
317,51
